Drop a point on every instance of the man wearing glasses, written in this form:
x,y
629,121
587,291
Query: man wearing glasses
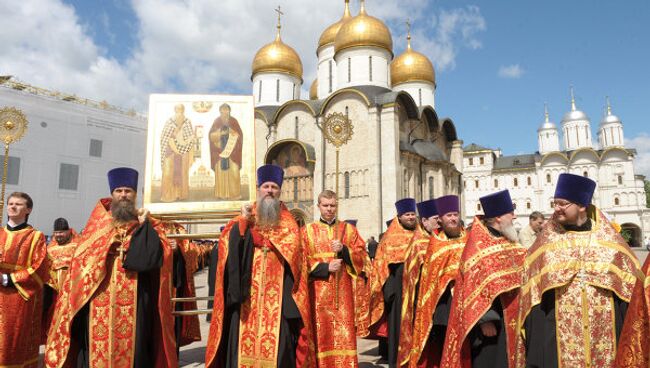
x,y
578,280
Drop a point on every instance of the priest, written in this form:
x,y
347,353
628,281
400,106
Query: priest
x,y
114,307
578,281
261,312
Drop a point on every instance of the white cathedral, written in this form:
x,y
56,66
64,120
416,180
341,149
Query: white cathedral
x,y
399,146
531,178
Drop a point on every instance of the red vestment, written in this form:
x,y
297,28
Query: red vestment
x,y
634,345
332,298
96,278
22,255
490,268
438,269
275,248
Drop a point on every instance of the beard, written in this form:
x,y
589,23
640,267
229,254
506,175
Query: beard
x,y
510,233
123,211
451,231
408,225
268,212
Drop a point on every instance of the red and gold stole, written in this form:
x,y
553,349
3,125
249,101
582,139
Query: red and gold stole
x,y
490,268
634,344
439,268
60,259
395,247
332,298
259,325
584,270
96,277
22,255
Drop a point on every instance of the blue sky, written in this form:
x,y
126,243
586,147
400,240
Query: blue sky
x,y
123,50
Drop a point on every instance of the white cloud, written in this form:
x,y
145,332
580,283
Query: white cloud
x,y
199,46
642,161
514,71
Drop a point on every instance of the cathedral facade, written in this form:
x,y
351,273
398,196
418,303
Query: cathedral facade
x,y
391,143
531,178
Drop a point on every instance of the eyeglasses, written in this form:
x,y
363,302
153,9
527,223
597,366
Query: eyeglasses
x,y
563,205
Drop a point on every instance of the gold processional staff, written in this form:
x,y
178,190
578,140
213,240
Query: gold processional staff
x,y
13,125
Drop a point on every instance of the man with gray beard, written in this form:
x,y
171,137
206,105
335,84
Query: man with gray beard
x,y
260,314
483,318
113,309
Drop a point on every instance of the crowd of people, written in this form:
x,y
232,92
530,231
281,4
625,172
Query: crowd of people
x,y
566,291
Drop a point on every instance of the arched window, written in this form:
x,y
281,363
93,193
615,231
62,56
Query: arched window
x,y
370,67
529,181
430,187
481,160
620,179
496,183
514,205
515,182
552,205
527,205
330,78
478,206
548,178
420,96
476,183
471,161
259,93
296,130
616,201
346,180
585,174
347,112
349,70
277,90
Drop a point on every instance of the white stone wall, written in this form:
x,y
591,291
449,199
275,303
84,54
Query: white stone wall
x,y
548,141
611,135
422,93
577,134
326,71
358,73
276,88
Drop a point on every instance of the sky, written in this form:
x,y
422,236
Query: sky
x,y
496,62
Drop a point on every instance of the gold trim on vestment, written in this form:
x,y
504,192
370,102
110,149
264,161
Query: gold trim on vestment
x,y
325,354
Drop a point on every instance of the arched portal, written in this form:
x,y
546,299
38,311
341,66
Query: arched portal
x,y
297,159
632,234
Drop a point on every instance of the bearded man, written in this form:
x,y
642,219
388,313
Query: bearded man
x,y
403,236
114,307
483,319
578,281
261,313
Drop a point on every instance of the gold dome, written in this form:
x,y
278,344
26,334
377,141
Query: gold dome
x,y
329,34
313,90
277,57
411,66
363,30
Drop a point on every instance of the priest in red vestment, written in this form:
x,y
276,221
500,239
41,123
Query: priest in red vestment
x,y
634,344
361,287
421,344
403,236
482,330
62,234
261,313
114,308
335,257
22,273
578,280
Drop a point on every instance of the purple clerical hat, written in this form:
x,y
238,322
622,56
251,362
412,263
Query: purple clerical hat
x,y
405,205
123,177
497,204
446,204
272,173
575,188
352,222
427,209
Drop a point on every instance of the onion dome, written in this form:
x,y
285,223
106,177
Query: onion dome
x,y
610,118
363,30
329,34
313,90
411,66
574,114
547,124
277,57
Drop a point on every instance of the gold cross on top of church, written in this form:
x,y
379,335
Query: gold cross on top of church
x,y
280,14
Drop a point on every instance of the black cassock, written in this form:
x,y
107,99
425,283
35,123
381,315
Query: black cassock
x,y
145,256
237,285
392,291
541,341
212,272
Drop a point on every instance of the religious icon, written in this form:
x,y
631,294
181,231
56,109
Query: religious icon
x,y
225,154
190,168
177,142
